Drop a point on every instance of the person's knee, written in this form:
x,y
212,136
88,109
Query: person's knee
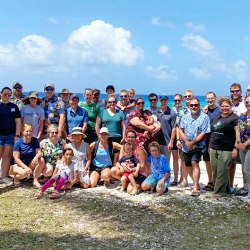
x,y
159,190
145,186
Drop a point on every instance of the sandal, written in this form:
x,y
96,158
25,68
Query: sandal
x,y
122,189
36,185
54,195
135,192
182,185
16,184
39,194
209,186
174,183
195,194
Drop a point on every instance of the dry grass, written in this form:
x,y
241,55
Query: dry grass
x,y
106,219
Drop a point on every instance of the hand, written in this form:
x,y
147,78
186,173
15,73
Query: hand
x,y
84,172
70,139
135,173
59,134
157,129
151,128
205,109
170,145
189,145
234,153
123,141
161,184
242,147
34,162
125,167
178,144
121,169
28,170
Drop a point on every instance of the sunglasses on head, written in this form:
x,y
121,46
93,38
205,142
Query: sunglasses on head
x,y
123,96
17,87
186,96
235,91
153,100
139,103
111,101
194,105
49,89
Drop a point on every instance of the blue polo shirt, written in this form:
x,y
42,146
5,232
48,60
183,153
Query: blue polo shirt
x,y
75,119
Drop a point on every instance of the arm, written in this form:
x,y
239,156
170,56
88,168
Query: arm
x,y
173,133
18,127
190,144
119,106
240,146
55,171
76,178
132,105
98,123
117,146
150,121
158,127
40,128
118,164
123,131
84,127
88,158
135,121
61,124
19,162
237,135
37,157
161,182
91,146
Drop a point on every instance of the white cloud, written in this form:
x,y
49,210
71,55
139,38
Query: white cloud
x,y
52,20
35,48
235,70
163,49
199,74
7,55
156,21
162,73
195,27
101,43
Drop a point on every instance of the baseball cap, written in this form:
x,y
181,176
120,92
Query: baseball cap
x,y
17,82
49,85
96,91
163,97
104,130
74,96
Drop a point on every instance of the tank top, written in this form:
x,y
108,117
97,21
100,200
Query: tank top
x,y
102,158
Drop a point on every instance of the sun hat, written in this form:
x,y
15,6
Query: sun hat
x,y
49,85
32,94
78,131
74,96
163,97
104,130
17,82
64,91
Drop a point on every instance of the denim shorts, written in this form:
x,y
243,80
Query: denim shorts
x,y
7,140
151,181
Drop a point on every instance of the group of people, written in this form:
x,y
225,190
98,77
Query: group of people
x,y
58,140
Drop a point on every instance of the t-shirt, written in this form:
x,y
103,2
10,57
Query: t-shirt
x,y
159,166
69,170
223,136
8,113
130,161
113,123
27,150
212,113
168,122
75,119
32,115
93,110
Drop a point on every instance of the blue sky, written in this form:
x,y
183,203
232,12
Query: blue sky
x,y
151,46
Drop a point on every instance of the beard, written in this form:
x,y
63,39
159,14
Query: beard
x,y
194,112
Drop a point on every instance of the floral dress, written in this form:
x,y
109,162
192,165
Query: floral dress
x,y
52,152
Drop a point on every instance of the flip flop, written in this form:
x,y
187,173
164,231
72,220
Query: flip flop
x,y
195,194
174,183
54,195
182,185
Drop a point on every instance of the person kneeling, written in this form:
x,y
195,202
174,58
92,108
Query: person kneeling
x,y
65,175
132,170
160,170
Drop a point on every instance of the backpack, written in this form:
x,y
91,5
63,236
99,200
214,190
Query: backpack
x,y
110,146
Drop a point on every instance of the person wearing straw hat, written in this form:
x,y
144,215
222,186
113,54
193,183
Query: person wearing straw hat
x,y
82,155
17,94
65,95
32,113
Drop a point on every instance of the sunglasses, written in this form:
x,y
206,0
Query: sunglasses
x,y
177,100
247,102
111,101
193,105
139,103
49,89
235,91
9,95
54,133
123,96
186,96
152,100
17,87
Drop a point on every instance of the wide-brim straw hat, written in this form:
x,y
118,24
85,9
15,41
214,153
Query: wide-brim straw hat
x,y
32,94
64,91
77,131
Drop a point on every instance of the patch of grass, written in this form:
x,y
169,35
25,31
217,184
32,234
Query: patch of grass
x,y
98,219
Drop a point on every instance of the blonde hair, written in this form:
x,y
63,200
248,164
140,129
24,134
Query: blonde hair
x,y
127,146
153,144
131,90
52,126
27,125
188,90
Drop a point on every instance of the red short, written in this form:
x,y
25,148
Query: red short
x,y
128,174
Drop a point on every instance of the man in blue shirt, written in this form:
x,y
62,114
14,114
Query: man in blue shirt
x,y
75,116
194,127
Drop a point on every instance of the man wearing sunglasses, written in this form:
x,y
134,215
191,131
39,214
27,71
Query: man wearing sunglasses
x,y
53,109
238,108
17,94
153,99
97,101
194,127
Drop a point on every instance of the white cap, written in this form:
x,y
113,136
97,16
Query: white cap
x,y
104,130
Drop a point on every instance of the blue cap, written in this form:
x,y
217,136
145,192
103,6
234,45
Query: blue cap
x,y
163,97
74,96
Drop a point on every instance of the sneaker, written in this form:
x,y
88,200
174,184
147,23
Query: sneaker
x,y
7,180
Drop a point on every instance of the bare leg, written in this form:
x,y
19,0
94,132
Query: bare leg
x,y
5,154
231,175
175,164
106,174
196,175
209,172
94,177
124,182
133,183
130,188
116,172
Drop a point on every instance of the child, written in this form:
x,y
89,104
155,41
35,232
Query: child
x,y
65,173
150,118
160,170
130,160
131,95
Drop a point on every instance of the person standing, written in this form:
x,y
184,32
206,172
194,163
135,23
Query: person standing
x,y
194,128
53,109
97,101
65,95
153,100
211,111
33,113
17,94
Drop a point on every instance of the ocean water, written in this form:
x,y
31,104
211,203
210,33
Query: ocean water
x,y
202,99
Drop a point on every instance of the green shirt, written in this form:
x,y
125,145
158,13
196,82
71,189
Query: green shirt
x,y
93,110
113,123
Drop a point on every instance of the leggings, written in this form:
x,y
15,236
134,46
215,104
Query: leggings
x,y
49,183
